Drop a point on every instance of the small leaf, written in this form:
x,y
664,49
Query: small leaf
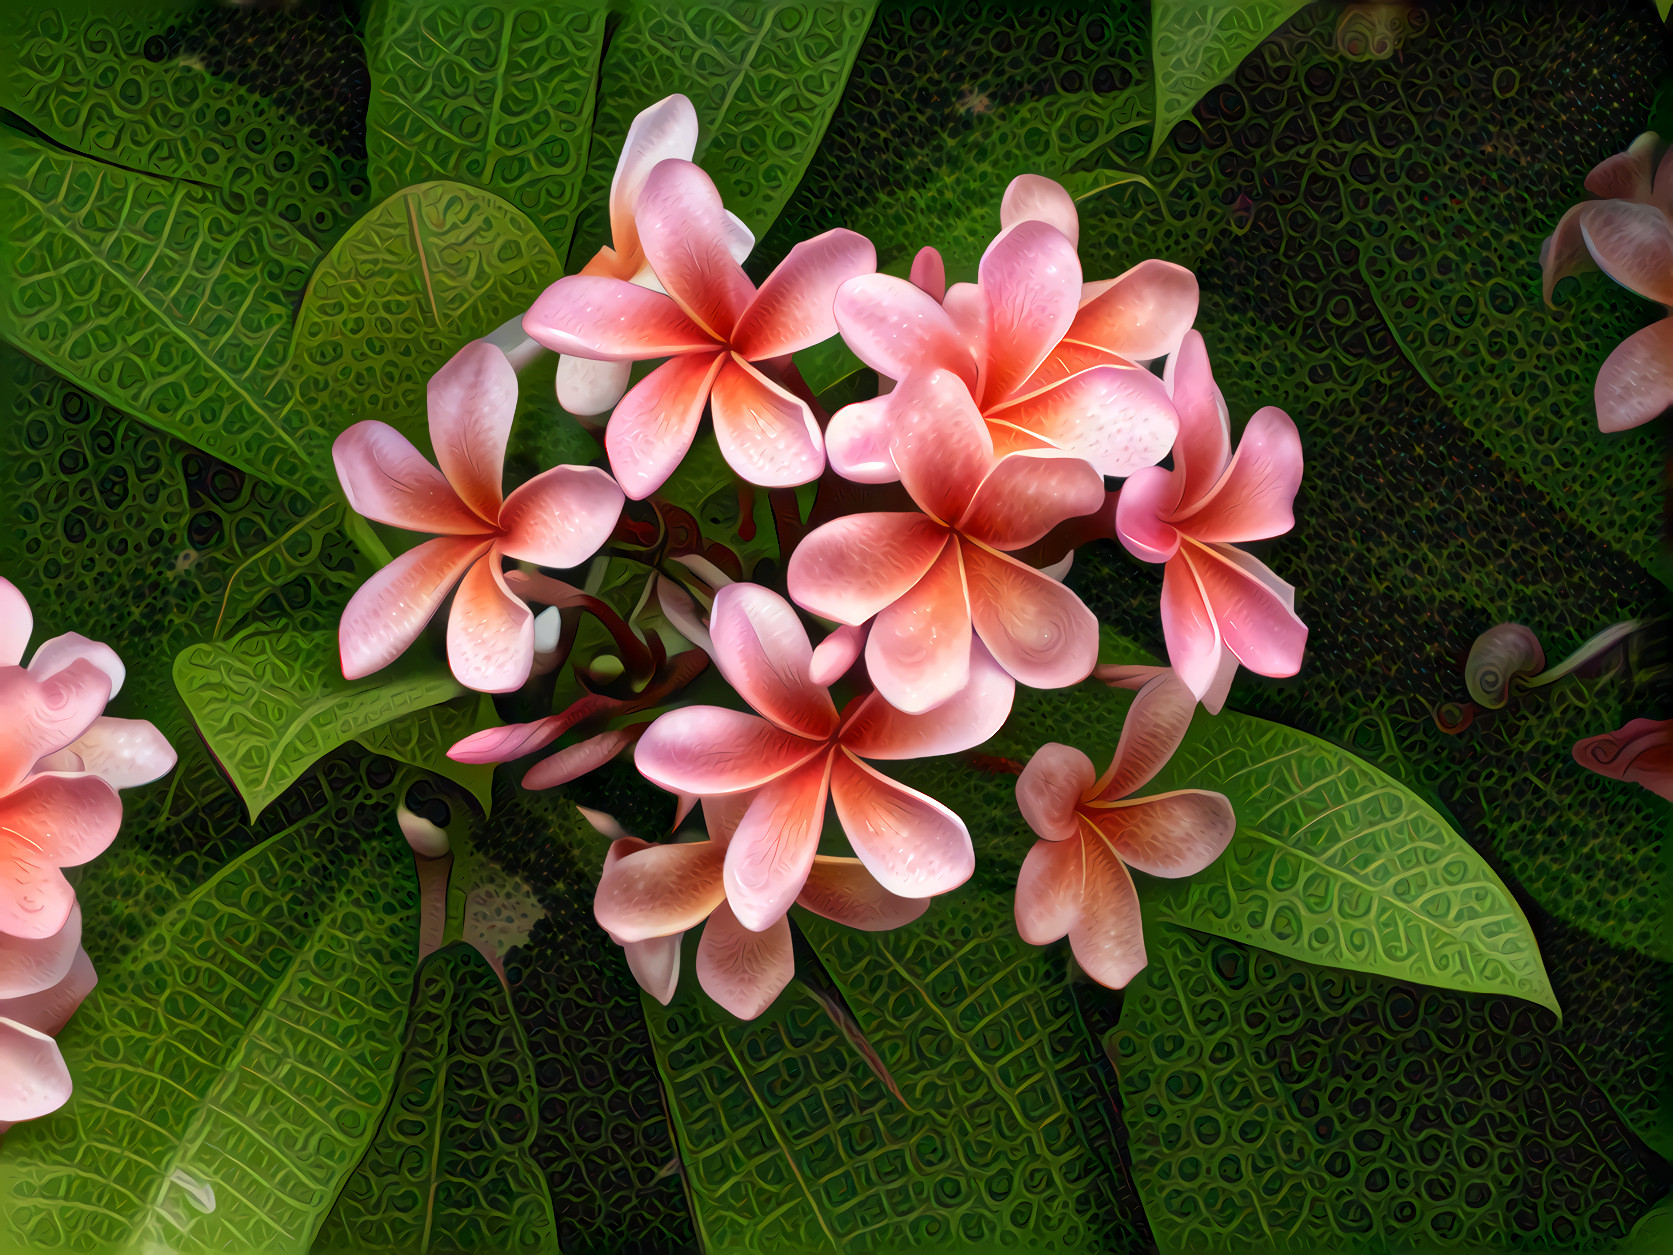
x,y
1195,45
423,738
269,704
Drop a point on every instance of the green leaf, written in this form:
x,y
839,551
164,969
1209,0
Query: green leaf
x,y
790,1142
423,738
450,1168
498,95
247,1044
315,545
708,489
1196,45
827,363
155,297
432,267
269,704
765,79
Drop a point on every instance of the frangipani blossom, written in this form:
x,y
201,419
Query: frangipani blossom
x,y
558,519
1630,237
1220,605
714,327
1050,361
931,579
664,130
798,751
1641,752
1074,881
650,895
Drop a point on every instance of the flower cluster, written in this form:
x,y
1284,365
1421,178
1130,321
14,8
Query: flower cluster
x,y
62,760
944,514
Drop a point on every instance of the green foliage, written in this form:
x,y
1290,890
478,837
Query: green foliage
x,y
423,737
299,550
710,490
1195,45
764,77
270,703
498,95
246,1043
450,1168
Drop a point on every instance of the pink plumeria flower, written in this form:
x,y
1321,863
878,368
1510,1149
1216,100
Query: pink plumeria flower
x,y
1640,752
1075,881
1220,605
650,895
1630,237
558,519
667,129
798,751
931,579
714,327
1050,361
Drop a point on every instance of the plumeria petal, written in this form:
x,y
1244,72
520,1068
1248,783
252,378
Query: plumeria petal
x,y
45,714
586,387
1070,357
1220,687
895,328
31,964
33,1077
939,442
794,308
1028,494
1117,417
841,889
490,632
574,761
1142,313
912,844
1031,279
967,308
561,517
1253,620
929,273
667,129
742,970
1050,789
762,649
390,609
1035,198
1156,723
1107,939
124,753
854,566
722,813
1146,499
1641,753
49,822
1169,834
503,744
875,729
1038,630
1048,901
653,426
49,1010
472,400
1633,245
1626,176
709,749
838,652
857,441
769,854
661,890
1203,447
1255,498
1188,627
684,232
53,656
1564,252
1635,383
655,964
17,622
767,434
918,651
388,480
612,320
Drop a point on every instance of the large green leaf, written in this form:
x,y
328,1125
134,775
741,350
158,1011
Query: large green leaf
x,y
269,703
154,296
764,76
791,1143
315,546
1195,44
245,1046
450,1168
423,738
427,270
496,94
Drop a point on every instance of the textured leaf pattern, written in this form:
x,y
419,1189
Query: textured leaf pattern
x,y
247,1043
764,75
269,704
791,1143
427,270
423,738
498,95
450,1167
156,297
1196,44
301,549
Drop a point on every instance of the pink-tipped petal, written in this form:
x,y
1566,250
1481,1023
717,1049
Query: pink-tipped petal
x,y
1203,447
795,308
742,970
857,441
1255,498
574,761
31,964
1220,687
45,714
1564,252
929,273
1188,627
33,1078
490,632
854,566
387,612
1146,499
1031,278
49,1010
722,813
1070,357
1626,176
1633,245
834,655
1038,630
975,713
684,232
655,964
660,890
770,852
124,753
502,745
561,517
767,434
762,649
1118,417
1028,494
652,428
709,749
1635,383
55,655
1048,901
667,129
939,442
1253,620
388,480
1141,314
896,328
967,307
912,844
841,889
1107,939
1035,198
587,387
918,651
1156,723
52,821
612,320
1050,790
471,403
1169,834
17,621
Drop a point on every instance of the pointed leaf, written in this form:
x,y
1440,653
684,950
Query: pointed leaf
x,y
1194,45
423,738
